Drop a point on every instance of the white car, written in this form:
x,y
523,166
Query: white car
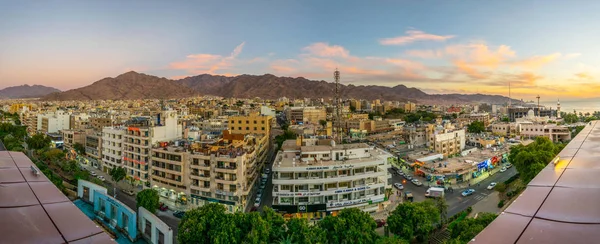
x,y
399,186
416,182
503,169
257,202
101,178
491,186
93,173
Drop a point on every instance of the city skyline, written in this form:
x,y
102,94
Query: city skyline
x,y
539,48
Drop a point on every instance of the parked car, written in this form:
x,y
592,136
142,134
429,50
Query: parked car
x,y
380,222
163,207
416,182
259,195
491,186
267,171
400,172
399,186
93,174
503,169
178,214
257,202
508,165
468,192
101,177
128,192
408,177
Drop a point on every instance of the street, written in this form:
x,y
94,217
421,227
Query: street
x,y
456,202
267,197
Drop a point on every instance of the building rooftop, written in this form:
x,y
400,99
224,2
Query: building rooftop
x,y
33,210
560,205
292,159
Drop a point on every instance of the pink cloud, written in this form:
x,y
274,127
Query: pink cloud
x,y
424,54
208,63
413,36
537,61
323,49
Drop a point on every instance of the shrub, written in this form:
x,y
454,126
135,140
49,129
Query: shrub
x,y
501,187
469,209
501,204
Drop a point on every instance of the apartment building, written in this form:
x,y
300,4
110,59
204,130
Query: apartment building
x,y
306,115
70,137
79,121
93,149
53,122
470,118
253,123
317,178
98,123
226,170
555,133
213,126
444,140
112,147
170,171
141,134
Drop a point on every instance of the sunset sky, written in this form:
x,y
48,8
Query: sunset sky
x,y
550,48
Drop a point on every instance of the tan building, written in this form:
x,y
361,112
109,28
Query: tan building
x,y
70,137
445,141
467,119
410,107
227,171
253,123
93,149
306,115
98,123
170,171
356,104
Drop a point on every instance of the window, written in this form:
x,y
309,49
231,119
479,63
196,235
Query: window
x,y
255,122
254,128
247,128
262,128
233,121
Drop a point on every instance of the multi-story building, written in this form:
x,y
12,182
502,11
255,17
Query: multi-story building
x,y
415,135
70,137
98,123
93,149
213,126
445,140
470,118
317,177
79,121
170,171
519,112
555,133
306,115
253,123
227,171
410,107
141,134
53,122
112,147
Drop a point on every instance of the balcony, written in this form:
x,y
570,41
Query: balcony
x,y
199,176
170,171
225,180
226,169
168,180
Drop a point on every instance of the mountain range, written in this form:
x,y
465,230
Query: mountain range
x,y
26,91
133,85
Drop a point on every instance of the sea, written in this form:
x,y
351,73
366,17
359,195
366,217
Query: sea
x,y
583,105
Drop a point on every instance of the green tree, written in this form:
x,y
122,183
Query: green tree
x,y
391,240
53,155
275,223
531,159
476,127
96,181
466,229
79,148
211,224
117,173
352,109
442,206
323,123
350,226
38,141
300,232
148,199
414,220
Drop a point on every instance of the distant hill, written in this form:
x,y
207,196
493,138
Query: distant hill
x,y
271,87
130,85
26,91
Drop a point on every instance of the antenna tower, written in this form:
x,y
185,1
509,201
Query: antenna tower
x,y
338,107
539,111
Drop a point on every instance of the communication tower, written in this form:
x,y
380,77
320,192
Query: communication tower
x,y
338,108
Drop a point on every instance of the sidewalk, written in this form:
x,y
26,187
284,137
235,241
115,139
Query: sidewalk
x,y
487,205
394,200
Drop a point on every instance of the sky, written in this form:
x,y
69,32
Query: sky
x,y
546,48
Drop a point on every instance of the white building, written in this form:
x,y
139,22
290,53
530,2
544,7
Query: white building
x,y
142,133
53,122
313,178
267,111
112,147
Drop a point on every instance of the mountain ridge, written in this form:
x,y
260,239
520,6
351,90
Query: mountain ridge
x,y
26,91
266,86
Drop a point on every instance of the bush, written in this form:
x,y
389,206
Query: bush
x,y
469,209
501,187
511,179
501,204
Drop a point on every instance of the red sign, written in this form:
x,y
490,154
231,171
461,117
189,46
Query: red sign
x,y
133,129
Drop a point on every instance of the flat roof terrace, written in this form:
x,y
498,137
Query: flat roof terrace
x,y
288,159
33,210
560,205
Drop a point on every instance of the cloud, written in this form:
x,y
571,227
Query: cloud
x,y
323,49
208,63
424,54
413,36
536,61
572,55
584,75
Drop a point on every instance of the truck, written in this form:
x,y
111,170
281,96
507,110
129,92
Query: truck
x,y
435,192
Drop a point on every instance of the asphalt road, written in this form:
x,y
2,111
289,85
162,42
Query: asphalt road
x,y
267,197
456,202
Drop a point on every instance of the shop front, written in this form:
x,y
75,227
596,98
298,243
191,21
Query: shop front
x,y
311,212
201,201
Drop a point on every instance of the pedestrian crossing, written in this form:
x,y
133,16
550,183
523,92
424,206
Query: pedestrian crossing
x,y
480,197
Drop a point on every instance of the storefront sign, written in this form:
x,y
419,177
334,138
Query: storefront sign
x,y
318,168
297,194
343,166
353,189
346,203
